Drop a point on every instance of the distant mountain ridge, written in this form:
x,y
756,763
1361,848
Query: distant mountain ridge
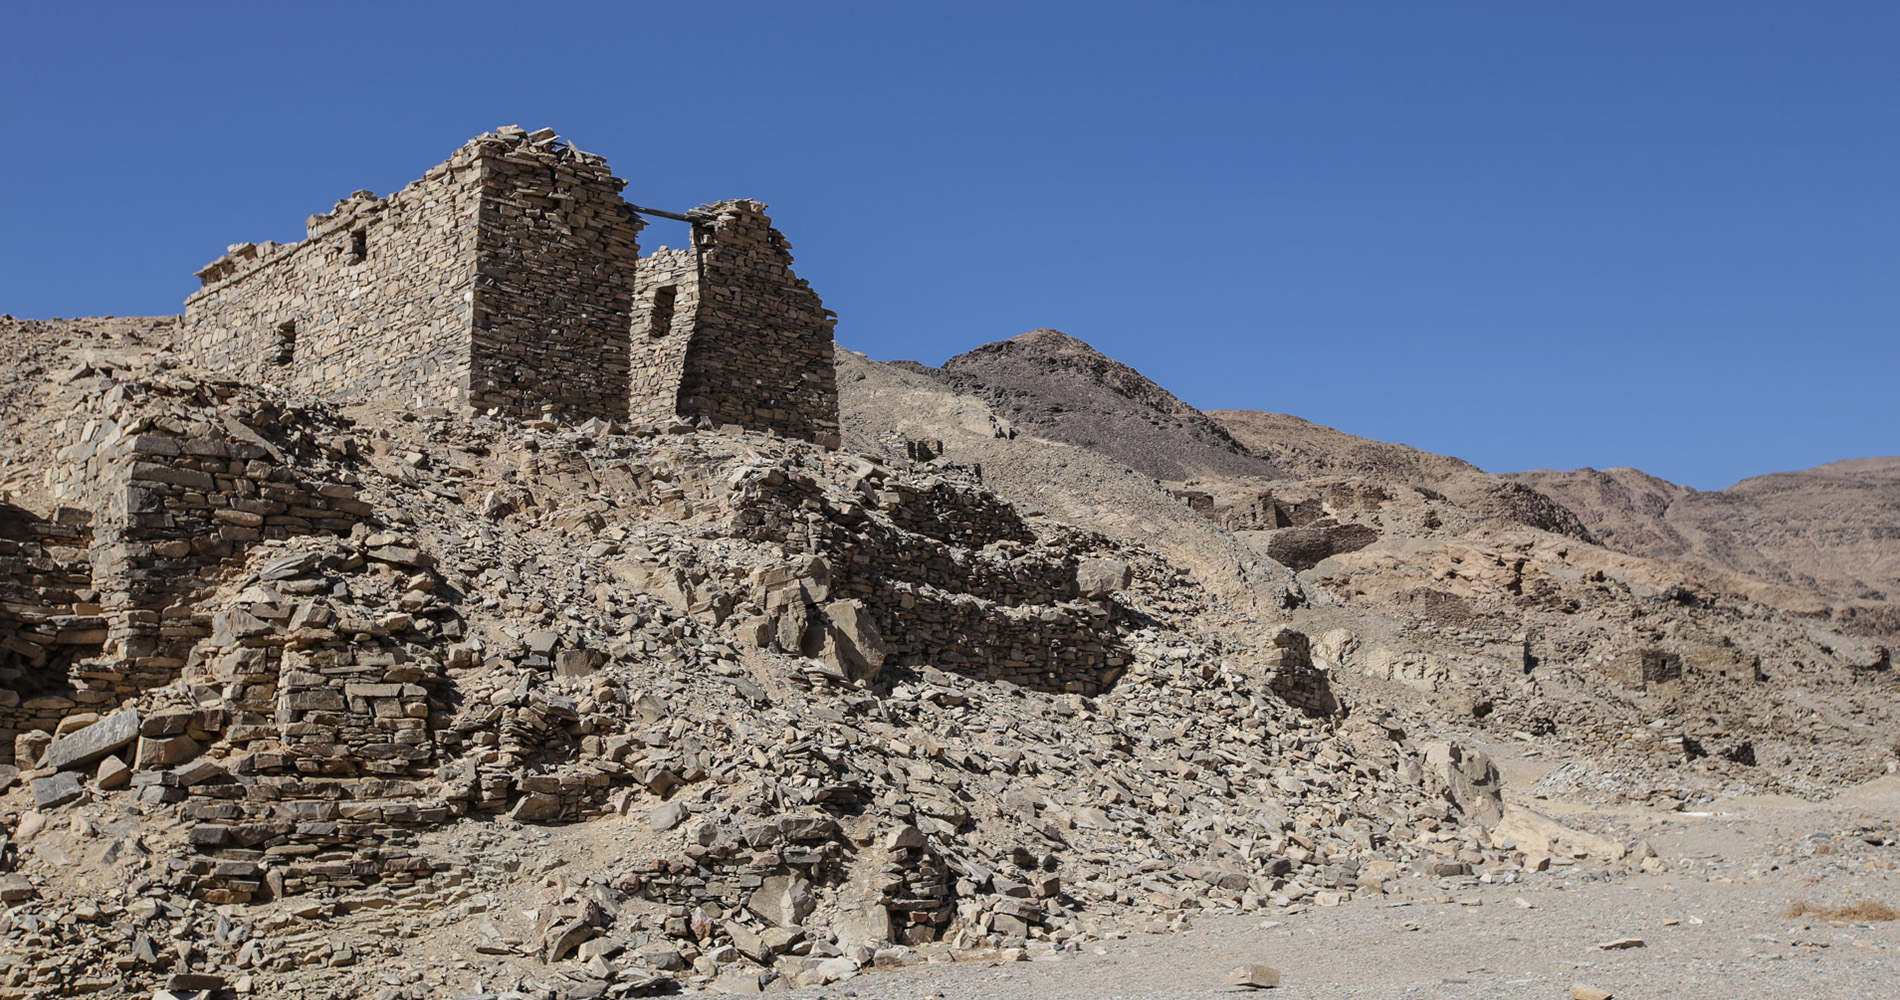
x,y
1834,530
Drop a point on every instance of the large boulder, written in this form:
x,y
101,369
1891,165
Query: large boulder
x,y
1471,780
852,643
1537,834
1097,578
90,745
664,582
785,900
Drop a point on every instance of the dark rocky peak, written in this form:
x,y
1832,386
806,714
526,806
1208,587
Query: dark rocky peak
x,y
1056,386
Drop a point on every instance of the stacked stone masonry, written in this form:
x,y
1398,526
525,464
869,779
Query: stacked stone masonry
x,y
509,277
731,336
951,576
182,489
49,615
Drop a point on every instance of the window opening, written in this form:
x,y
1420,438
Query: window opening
x,y
286,342
660,320
359,246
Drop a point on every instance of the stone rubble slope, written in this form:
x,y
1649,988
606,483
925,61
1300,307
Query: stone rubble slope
x,y
1312,451
457,705
1668,681
1806,540
802,712
1505,630
889,408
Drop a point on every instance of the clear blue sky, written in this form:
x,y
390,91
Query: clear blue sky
x,y
1529,234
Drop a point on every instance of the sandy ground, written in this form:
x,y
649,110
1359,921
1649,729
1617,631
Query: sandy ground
x,y
1711,927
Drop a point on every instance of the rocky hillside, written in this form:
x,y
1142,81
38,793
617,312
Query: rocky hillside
x,y
433,701
1054,386
402,702
1834,529
1310,450
1821,537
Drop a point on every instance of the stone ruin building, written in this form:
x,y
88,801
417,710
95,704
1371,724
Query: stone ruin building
x,y
506,277
509,276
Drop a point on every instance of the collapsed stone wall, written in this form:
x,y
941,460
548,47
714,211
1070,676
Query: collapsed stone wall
x,y
760,354
180,486
1293,677
502,277
1639,668
987,598
331,718
1262,505
48,614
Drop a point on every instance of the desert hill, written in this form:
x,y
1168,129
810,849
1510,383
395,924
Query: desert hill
x,y
1820,539
1311,450
1050,384
1834,529
301,696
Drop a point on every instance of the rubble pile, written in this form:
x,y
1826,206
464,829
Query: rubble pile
x,y
406,702
1670,685
744,650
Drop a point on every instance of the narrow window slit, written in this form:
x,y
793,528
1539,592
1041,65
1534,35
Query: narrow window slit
x,y
660,320
286,343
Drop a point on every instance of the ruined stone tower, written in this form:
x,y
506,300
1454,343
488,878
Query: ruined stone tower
x,y
509,277
725,332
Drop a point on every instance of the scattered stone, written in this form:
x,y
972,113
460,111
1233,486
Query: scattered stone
x,y
1099,578
112,774
88,745
16,888
1258,977
56,790
668,816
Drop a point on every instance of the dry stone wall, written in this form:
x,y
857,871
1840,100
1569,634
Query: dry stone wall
x,y
48,615
509,277
761,350
666,305
374,303
951,578
331,715
180,487
556,251
502,277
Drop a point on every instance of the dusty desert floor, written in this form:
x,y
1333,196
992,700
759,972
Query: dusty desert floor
x,y
1713,926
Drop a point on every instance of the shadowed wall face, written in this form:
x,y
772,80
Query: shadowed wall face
x,y
665,306
761,349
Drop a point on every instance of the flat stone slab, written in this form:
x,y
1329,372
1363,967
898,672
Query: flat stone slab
x,y
89,745
56,790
